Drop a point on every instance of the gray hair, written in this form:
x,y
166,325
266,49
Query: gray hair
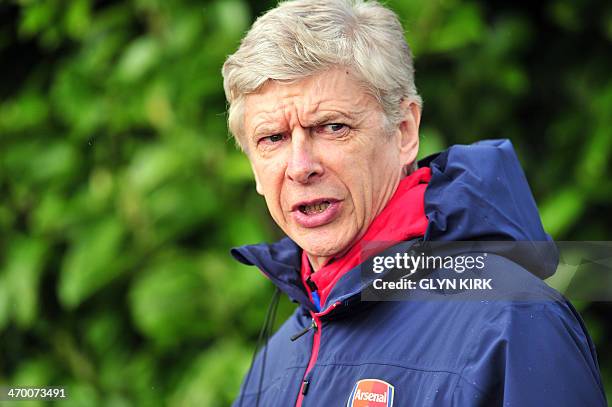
x,y
300,38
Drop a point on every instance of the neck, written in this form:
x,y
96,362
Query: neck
x,y
316,262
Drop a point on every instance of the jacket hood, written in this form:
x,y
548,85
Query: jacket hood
x,y
477,192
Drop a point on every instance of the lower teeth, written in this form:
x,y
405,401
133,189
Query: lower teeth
x,y
311,209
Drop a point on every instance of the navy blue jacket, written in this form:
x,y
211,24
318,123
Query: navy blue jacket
x,y
528,347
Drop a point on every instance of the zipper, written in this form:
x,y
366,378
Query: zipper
x,y
303,332
316,344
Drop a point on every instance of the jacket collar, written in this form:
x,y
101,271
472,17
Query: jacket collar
x,y
281,262
477,192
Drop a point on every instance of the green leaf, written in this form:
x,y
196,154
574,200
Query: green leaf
x,y
23,271
92,261
28,110
168,299
562,210
462,27
232,16
37,16
78,18
236,168
5,301
213,378
154,165
138,58
431,142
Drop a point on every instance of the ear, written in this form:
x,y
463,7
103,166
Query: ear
x,y
408,131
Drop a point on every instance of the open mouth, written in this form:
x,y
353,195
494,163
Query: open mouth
x,y
317,212
313,209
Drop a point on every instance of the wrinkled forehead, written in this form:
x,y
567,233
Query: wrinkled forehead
x,y
335,91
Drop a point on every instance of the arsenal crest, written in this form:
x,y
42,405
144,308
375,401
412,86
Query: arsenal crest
x,y
371,393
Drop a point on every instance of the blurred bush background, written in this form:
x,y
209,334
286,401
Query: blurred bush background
x,y
121,192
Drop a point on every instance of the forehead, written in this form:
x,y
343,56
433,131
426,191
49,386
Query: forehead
x,y
332,92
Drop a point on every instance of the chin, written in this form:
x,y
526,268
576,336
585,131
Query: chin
x,y
320,250
320,246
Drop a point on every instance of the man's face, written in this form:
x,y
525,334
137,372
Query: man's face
x,y
324,159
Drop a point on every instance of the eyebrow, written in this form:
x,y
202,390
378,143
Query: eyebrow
x,y
329,117
271,128
267,129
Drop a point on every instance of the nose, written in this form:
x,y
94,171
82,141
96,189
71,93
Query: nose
x,y
304,164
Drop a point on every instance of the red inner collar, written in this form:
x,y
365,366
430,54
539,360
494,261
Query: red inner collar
x,y
402,219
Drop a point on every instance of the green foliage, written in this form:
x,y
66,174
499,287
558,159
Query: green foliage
x,y
122,192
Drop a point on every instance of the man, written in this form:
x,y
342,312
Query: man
x,y
323,102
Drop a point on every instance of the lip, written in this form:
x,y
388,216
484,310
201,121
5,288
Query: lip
x,y
296,207
319,219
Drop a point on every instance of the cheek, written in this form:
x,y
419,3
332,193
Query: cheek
x,y
374,172
385,159
270,179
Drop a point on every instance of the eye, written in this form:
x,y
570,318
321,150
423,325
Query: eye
x,y
332,128
335,126
273,139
